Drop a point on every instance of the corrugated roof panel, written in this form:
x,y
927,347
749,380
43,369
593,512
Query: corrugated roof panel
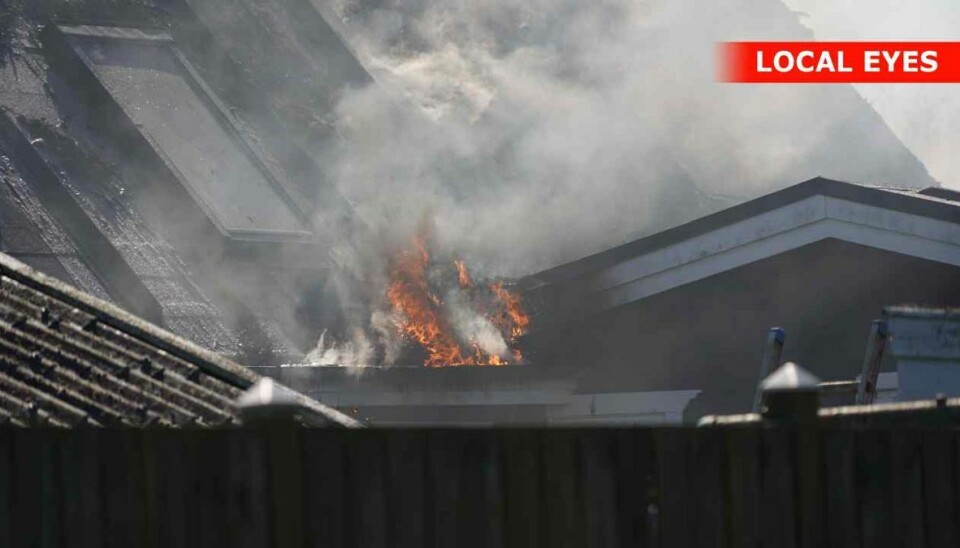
x,y
67,360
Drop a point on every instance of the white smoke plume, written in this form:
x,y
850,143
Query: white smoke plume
x,y
472,326
542,131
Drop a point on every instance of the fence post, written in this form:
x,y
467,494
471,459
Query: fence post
x,y
772,353
273,414
876,343
792,398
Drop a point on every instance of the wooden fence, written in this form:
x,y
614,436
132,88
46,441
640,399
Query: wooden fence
x,y
749,486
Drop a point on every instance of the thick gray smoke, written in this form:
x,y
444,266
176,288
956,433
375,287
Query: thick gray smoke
x,y
538,132
534,133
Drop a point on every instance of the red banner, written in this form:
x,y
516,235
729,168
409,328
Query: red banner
x,y
839,62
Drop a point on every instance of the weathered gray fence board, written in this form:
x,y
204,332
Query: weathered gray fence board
x,y
743,486
808,462
778,525
874,478
520,479
366,471
447,489
474,453
767,486
80,465
123,513
6,489
247,509
635,459
678,495
598,483
26,519
562,501
841,502
407,498
940,488
707,472
907,489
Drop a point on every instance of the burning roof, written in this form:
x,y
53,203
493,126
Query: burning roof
x,y
455,323
428,309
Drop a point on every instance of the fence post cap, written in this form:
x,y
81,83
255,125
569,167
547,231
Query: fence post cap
x,y
791,377
791,394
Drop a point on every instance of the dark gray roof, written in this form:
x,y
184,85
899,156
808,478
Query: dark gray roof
x,y
79,204
927,203
68,359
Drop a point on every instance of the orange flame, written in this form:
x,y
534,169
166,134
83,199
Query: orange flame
x,y
519,321
462,275
421,315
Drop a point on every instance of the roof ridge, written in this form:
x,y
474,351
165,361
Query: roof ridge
x,y
805,189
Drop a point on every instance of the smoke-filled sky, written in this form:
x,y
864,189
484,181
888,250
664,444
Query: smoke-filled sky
x,y
925,117
538,132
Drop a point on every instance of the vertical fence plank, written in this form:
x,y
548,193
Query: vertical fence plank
x,y
562,498
646,463
407,496
80,472
192,472
26,523
286,483
709,489
7,501
956,485
777,494
677,493
599,488
444,485
632,457
940,488
120,484
36,510
247,508
874,484
840,493
366,468
151,487
214,490
173,495
907,492
325,498
519,455
808,479
743,485
474,505
132,471
50,485
634,469
496,499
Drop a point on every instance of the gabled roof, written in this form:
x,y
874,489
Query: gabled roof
x,y
68,359
923,224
